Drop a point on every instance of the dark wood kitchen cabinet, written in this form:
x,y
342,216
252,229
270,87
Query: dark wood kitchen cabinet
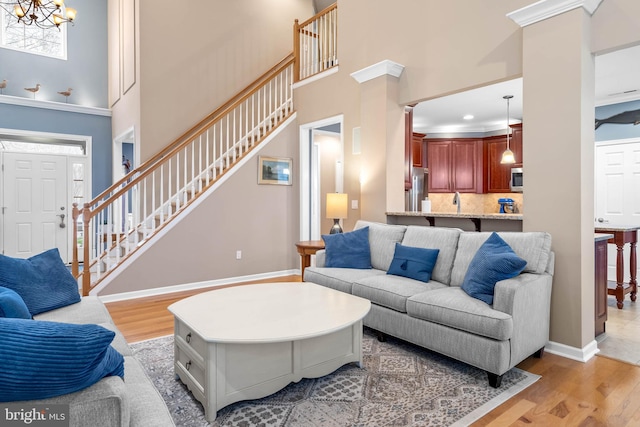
x,y
498,175
418,153
455,165
600,284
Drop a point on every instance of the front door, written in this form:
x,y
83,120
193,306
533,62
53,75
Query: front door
x,y
35,208
617,197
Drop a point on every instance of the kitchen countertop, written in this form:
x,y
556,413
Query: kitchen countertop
x,y
601,236
512,217
603,227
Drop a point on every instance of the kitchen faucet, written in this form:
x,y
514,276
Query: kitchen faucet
x,y
456,200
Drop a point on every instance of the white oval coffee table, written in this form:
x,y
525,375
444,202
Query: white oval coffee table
x,y
247,342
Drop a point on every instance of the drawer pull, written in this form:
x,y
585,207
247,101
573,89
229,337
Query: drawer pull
x,y
188,337
188,365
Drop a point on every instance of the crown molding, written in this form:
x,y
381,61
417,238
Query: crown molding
x,y
382,68
545,9
51,105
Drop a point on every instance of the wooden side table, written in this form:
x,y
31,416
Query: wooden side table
x,y
306,248
621,236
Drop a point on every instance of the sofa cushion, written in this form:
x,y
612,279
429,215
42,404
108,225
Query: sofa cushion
x,y
494,261
43,281
89,310
382,241
391,291
12,305
414,263
444,239
348,250
340,279
40,359
452,307
534,247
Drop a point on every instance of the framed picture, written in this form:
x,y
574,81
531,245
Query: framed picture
x,y
274,170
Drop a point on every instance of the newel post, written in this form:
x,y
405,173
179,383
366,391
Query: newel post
x,y
296,51
86,241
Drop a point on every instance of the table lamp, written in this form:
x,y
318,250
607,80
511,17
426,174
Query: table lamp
x,y
336,210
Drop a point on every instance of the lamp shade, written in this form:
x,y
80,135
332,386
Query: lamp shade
x,y
507,157
336,205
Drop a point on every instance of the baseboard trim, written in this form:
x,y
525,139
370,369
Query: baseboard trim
x,y
573,353
195,285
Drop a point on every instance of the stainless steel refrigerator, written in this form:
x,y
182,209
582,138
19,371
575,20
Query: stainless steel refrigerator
x,y
413,198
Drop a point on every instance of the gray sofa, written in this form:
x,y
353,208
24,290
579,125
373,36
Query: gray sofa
x,y
439,315
110,401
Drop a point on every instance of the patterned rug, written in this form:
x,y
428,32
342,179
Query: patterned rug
x,y
400,385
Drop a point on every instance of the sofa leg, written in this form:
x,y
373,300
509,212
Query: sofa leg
x,y
381,336
494,380
538,354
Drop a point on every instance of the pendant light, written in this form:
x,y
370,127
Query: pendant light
x,y
507,156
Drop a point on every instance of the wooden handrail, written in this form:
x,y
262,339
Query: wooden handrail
x,y
319,14
195,130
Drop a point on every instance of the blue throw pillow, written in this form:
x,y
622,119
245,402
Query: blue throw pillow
x,y
12,305
43,281
348,250
415,263
494,261
40,359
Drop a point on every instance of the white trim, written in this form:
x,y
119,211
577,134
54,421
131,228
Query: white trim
x,y
618,99
52,105
382,68
193,286
618,141
545,9
315,77
137,254
580,354
305,172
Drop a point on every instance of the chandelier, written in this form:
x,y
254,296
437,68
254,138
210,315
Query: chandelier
x,y
42,14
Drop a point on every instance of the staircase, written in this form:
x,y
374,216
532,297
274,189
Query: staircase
x,y
132,211
128,215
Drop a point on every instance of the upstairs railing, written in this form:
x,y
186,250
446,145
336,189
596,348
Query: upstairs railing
x,y
315,43
128,214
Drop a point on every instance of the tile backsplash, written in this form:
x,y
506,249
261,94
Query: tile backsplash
x,y
474,203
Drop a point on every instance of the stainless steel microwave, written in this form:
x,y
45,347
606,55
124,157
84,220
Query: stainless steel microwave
x,y
516,180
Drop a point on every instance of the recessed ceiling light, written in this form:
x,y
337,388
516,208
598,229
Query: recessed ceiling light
x,y
468,117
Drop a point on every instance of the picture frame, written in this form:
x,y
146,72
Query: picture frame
x,y
275,170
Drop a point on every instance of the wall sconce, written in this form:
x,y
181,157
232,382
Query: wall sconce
x,y
336,210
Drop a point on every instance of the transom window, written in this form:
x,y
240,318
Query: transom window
x,y
29,38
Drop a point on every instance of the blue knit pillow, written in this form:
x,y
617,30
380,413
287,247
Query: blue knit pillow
x,y
43,281
494,261
40,359
415,263
12,305
348,250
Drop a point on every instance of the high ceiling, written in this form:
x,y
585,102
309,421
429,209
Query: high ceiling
x,y
617,80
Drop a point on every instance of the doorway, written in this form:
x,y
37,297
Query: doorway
x,y
321,171
43,175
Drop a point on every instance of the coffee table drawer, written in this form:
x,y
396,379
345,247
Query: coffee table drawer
x,y
184,335
190,364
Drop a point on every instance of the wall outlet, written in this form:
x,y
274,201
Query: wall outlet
x,y
238,254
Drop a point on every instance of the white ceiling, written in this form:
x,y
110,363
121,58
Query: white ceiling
x,y
617,80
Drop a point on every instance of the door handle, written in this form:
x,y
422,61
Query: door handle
x,y
62,224
601,220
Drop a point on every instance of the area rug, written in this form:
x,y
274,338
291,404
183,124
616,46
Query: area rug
x,y
399,385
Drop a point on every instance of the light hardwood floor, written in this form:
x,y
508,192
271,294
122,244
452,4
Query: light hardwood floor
x,y
601,392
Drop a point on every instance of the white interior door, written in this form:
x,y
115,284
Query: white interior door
x,y
618,191
35,200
